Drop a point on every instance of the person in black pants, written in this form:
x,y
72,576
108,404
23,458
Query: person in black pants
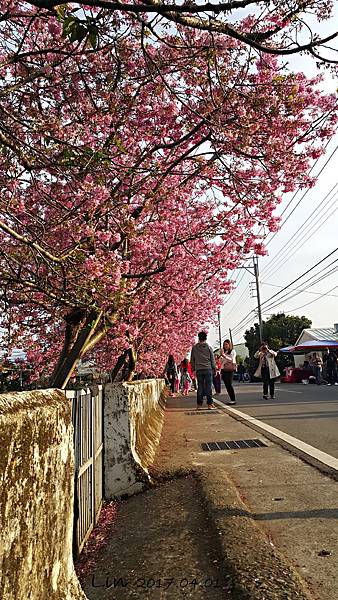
x,y
228,358
217,376
171,373
330,360
267,369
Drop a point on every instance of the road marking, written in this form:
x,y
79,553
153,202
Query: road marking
x,y
323,457
288,391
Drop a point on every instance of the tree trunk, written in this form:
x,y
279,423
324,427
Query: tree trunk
x,y
119,364
132,355
73,324
77,337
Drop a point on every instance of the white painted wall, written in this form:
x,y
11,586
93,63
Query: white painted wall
x,y
133,419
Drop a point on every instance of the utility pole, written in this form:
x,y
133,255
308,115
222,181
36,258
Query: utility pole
x,y
255,272
255,265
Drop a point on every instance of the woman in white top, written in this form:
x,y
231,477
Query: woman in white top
x,y
267,369
228,366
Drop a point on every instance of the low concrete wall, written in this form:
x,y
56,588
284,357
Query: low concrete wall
x,y
36,497
133,420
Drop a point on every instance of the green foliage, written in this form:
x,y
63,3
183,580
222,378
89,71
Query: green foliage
x,y
279,331
77,29
82,158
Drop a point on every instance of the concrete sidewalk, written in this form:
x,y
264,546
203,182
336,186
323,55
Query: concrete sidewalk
x,y
291,503
247,524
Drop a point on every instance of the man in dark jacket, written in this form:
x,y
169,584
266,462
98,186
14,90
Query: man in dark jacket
x,y
203,364
330,361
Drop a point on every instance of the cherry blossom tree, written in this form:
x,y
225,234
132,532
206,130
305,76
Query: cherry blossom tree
x,y
276,27
133,177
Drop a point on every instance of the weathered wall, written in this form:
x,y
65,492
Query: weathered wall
x,y
133,420
36,497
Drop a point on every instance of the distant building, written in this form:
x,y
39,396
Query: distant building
x,y
241,350
309,335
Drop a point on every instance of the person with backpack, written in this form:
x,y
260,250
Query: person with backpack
x,y
171,374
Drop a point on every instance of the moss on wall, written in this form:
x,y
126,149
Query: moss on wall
x,y
36,497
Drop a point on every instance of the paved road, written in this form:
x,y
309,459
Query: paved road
x,y
307,412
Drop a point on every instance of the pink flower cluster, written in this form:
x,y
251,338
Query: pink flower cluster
x,y
134,177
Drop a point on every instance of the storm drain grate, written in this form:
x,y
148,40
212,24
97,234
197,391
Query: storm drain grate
x,y
204,412
232,445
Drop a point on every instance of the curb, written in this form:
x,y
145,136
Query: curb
x,y
257,570
322,461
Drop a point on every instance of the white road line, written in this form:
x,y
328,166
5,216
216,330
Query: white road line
x,y
322,457
288,391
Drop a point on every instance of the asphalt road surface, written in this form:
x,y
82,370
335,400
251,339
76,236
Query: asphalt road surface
x,y
307,412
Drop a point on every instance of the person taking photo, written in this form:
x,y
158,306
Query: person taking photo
x,y
267,369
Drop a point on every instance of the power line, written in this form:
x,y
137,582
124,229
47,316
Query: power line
x,y
328,293
224,318
322,276
243,321
236,303
285,209
301,276
296,289
288,297
296,193
306,191
292,243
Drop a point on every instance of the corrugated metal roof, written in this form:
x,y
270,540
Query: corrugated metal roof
x,y
325,333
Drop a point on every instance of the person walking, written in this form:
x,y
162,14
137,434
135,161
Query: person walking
x,y
178,380
317,365
186,380
240,371
171,373
267,369
203,364
330,360
228,367
217,377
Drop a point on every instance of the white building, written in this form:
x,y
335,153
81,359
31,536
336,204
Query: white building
x,y
309,335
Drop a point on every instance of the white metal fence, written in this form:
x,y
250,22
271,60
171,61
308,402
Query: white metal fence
x,y
87,415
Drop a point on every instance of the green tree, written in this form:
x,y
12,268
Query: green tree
x,y
279,331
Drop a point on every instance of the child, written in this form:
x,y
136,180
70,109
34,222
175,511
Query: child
x,y
186,381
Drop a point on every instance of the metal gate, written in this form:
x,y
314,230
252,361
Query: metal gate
x,y
87,415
